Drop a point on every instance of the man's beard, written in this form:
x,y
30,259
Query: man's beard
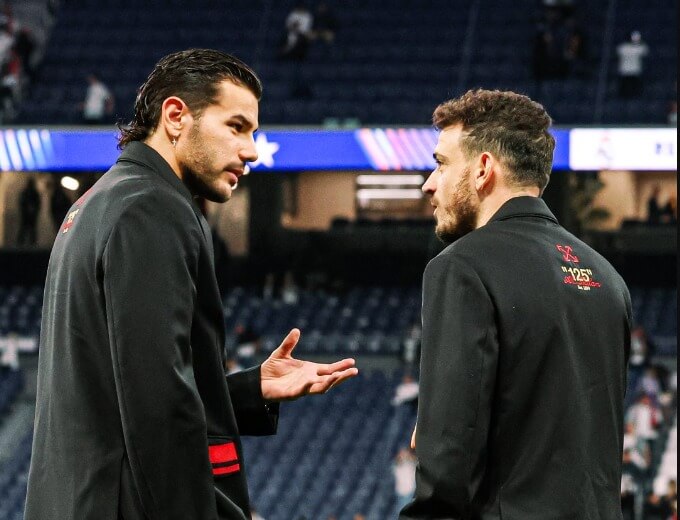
x,y
463,208
196,175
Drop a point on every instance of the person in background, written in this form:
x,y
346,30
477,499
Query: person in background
x,y
29,208
654,206
404,473
98,102
631,65
299,23
406,392
526,333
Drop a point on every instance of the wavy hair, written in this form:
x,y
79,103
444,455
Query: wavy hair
x,y
508,124
194,76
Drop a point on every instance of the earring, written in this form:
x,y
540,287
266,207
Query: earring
x,y
174,142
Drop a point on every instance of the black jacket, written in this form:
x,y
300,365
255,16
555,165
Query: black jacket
x,y
135,418
526,334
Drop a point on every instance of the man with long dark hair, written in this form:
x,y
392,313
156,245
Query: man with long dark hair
x,y
135,417
526,334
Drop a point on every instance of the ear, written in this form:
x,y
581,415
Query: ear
x,y
484,171
174,114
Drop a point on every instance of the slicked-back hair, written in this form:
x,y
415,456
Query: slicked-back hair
x,y
194,76
507,124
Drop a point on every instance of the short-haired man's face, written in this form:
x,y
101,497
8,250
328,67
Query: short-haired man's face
x,y
219,143
451,189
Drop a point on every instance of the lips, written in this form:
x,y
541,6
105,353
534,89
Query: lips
x,y
234,175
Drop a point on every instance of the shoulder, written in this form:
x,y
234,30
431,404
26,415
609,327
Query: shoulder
x,y
457,257
137,200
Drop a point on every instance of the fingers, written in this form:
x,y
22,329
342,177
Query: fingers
x,y
325,383
338,366
288,344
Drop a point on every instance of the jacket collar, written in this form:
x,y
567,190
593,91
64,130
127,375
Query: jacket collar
x,y
142,154
524,206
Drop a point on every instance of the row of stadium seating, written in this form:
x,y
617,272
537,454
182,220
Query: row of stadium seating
x,y
363,319
382,73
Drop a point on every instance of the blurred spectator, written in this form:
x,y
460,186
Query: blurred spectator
x,y
9,356
404,472
98,102
637,449
406,391
299,23
631,55
60,203
325,23
247,345
412,345
29,208
289,291
654,207
10,86
641,349
6,42
646,419
649,383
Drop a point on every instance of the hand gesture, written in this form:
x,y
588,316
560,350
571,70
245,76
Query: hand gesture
x,y
284,378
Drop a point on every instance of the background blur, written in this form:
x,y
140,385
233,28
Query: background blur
x,y
339,250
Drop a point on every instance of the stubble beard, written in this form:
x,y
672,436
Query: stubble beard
x,y
196,173
464,211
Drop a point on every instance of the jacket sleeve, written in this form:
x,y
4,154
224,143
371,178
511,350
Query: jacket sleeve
x,y
253,415
459,359
148,271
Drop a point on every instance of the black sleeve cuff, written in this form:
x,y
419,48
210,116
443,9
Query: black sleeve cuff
x,y
254,415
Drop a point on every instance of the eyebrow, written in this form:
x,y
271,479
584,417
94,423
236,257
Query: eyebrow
x,y
245,122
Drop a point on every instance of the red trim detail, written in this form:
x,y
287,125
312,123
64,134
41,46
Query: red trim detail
x,y
222,453
225,470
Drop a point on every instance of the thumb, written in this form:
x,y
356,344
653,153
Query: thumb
x,y
287,345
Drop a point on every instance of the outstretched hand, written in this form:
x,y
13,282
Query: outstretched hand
x,y
284,378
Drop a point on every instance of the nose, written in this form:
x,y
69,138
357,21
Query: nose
x,y
429,186
249,151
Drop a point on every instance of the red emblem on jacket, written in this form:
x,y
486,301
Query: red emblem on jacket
x,y
567,253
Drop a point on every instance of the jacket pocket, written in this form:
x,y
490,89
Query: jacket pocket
x,y
224,456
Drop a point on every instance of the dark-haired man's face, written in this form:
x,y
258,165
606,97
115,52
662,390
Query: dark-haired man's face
x,y
219,143
451,189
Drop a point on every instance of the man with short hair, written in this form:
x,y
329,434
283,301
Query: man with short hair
x,y
135,418
526,333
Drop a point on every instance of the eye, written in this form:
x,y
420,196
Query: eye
x,y
236,126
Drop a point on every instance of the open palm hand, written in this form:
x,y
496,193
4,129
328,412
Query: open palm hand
x,y
285,378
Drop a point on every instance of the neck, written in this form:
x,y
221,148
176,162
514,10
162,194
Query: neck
x,y
162,144
490,204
